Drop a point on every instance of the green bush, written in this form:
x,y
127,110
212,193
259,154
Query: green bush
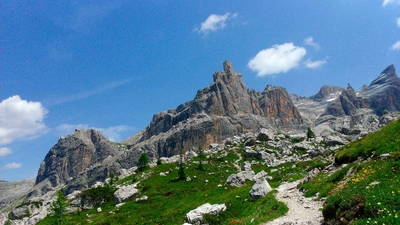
x,y
98,195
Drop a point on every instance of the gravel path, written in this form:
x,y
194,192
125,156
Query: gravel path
x,y
302,211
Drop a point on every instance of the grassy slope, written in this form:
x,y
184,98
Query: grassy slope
x,y
170,199
364,191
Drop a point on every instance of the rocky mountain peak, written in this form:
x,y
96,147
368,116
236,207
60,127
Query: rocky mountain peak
x,y
384,91
74,154
228,76
327,92
386,76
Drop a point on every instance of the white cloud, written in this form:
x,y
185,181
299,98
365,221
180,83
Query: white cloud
x,y
314,64
20,119
310,41
13,165
396,46
387,2
5,151
113,133
278,59
213,23
398,22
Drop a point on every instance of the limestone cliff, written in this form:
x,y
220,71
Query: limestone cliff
x,y
223,109
73,155
384,92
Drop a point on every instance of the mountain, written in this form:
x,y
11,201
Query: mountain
x,y
9,191
223,109
220,113
384,92
71,157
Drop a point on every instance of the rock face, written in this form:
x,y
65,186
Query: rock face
x,y
347,103
327,92
73,155
223,109
384,92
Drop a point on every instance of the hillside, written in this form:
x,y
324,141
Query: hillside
x,y
366,187
359,184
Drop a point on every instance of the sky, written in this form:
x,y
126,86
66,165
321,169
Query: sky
x,y
111,65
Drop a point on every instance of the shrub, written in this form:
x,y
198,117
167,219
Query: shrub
x,y
143,162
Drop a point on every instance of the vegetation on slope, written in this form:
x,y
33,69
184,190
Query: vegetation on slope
x,y
366,190
170,198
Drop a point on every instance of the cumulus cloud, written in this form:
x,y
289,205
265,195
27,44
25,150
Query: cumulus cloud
x,y
20,119
214,22
314,64
396,46
113,133
13,165
310,41
398,22
278,59
5,151
387,2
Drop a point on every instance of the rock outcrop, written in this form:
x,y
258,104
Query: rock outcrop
x,y
384,92
223,109
72,156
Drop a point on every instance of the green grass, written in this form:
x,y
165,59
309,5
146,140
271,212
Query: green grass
x,y
370,194
387,140
170,199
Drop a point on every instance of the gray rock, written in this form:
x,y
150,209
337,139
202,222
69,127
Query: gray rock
x,y
250,153
125,193
20,212
262,155
239,179
265,135
260,175
260,189
246,166
196,215
334,140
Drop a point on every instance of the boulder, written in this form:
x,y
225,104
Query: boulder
x,y
249,153
196,215
262,155
334,140
239,179
265,135
246,166
297,137
125,193
259,175
260,189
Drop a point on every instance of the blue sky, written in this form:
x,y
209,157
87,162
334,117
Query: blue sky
x,y
111,65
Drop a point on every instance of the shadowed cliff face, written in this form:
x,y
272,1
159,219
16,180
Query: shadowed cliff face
x,y
382,94
74,154
223,109
384,91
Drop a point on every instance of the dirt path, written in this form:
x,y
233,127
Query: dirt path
x,y
302,211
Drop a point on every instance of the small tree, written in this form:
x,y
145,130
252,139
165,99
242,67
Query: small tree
x,y
182,174
201,156
159,162
58,207
310,133
143,162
